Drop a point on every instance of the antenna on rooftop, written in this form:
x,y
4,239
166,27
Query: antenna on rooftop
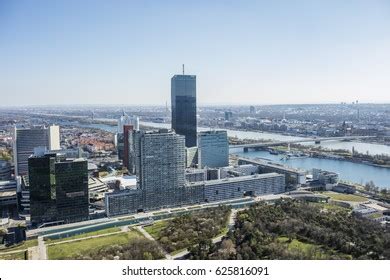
x,y
183,69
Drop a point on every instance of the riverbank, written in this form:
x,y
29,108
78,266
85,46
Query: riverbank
x,y
298,150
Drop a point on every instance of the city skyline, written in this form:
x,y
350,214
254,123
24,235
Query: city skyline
x,y
250,52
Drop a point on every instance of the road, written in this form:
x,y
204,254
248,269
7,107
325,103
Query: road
x,y
42,249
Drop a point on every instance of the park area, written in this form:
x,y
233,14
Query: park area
x,y
184,231
122,245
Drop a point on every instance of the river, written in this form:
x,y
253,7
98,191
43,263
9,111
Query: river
x,y
373,149
350,171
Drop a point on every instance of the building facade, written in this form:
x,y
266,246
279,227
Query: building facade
x,y
183,102
128,202
237,187
72,194
127,120
58,189
160,166
128,151
213,149
26,139
5,170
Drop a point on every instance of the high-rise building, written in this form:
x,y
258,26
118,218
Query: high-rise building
x,y
160,167
125,120
5,170
128,151
26,139
42,189
72,196
183,102
54,137
228,115
213,149
58,188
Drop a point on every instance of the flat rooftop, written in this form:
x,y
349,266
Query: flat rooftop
x,y
271,164
243,178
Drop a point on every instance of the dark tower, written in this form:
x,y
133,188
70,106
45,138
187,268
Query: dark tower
x,y
183,102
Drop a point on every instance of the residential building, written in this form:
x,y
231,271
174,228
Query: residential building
x,y
160,166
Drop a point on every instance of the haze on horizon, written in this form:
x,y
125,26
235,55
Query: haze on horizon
x,y
243,52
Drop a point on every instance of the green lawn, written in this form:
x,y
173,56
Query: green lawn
x,y
305,248
310,249
25,245
92,233
72,249
154,230
345,197
330,207
13,256
375,215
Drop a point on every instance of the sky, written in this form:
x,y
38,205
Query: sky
x,y
242,52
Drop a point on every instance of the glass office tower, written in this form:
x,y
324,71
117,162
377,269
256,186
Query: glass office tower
x,y
72,190
58,189
183,102
213,148
42,189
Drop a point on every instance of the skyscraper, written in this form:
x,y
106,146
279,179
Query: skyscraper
x,y
121,141
58,188
125,119
128,155
42,189
183,102
26,139
213,149
160,167
72,196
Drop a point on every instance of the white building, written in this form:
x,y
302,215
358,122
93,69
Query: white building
x,y
127,120
26,139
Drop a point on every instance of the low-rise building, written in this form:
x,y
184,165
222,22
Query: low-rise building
x,y
131,201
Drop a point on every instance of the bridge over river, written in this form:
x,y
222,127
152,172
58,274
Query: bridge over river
x,y
316,140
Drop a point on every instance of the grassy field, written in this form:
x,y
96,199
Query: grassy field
x,y
92,233
308,248
154,230
295,244
72,249
13,256
375,215
25,245
331,207
345,197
